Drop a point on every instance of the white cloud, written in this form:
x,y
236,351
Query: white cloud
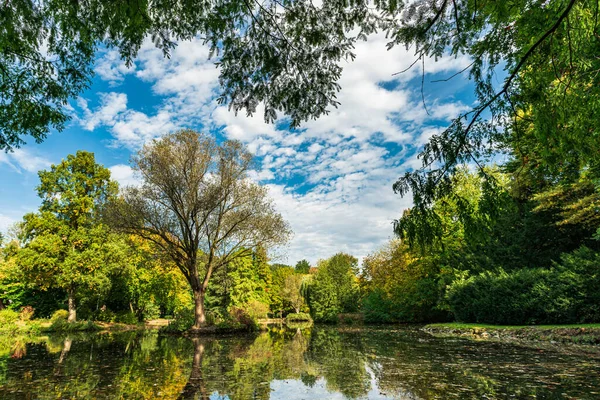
x,y
21,160
6,222
111,68
112,105
124,175
325,223
341,165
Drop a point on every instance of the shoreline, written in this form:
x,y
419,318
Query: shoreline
x,y
581,334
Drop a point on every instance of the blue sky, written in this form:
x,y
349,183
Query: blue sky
x,y
331,179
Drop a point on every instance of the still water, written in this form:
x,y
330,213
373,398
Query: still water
x,y
317,363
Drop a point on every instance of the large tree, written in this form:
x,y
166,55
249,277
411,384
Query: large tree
x,y
65,246
197,204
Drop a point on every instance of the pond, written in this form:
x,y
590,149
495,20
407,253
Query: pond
x,y
317,363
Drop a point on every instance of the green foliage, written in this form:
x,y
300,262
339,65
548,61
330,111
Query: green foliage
x,y
292,291
280,305
527,296
398,286
104,315
13,323
302,267
59,315
129,318
334,289
378,308
585,263
248,283
298,317
64,245
239,318
61,325
8,318
181,322
257,309
547,53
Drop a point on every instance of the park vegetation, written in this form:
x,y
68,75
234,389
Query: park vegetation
x,y
514,241
191,241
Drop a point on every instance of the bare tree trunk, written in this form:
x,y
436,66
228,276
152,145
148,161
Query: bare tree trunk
x,y
2,306
199,315
196,382
72,307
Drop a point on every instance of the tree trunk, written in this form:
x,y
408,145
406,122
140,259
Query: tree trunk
x,y
2,307
72,308
199,315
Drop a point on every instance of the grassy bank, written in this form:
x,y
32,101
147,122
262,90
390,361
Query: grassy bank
x,y
577,334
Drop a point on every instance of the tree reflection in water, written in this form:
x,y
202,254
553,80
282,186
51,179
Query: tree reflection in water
x,y
195,384
289,363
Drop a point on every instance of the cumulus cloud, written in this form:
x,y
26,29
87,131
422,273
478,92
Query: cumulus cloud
x,y
332,177
111,68
124,175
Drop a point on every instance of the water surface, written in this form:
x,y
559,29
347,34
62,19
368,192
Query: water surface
x,y
318,363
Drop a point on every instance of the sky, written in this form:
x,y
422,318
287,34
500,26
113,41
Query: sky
x,y
331,179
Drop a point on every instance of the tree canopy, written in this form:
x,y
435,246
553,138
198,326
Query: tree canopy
x,y
64,245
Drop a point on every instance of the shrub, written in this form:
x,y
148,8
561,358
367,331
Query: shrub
x,y
586,263
298,317
127,317
151,311
182,321
323,302
236,319
61,325
104,315
377,307
257,309
239,318
26,313
527,296
215,316
8,318
59,315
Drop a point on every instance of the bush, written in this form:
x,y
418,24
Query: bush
x,y
236,319
377,308
183,320
323,302
59,315
104,315
586,263
298,317
216,315
151,311
527,296
8,319
257,309
61,325
239,319
26,313
127,317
